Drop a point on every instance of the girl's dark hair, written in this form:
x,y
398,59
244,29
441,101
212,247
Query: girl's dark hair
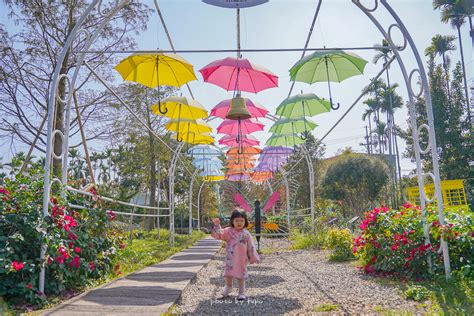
x,y
236,214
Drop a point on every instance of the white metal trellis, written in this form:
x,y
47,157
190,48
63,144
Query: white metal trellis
x,y
387,34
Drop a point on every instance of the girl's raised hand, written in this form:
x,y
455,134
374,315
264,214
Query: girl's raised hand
x,y
216,221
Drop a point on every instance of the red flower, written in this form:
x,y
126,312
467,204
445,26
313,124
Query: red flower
x,y
59,259
75,262
117,266
123,246
111,215
4,191
29,286
77,250
17,265
50,261
394,247
70,245
63,252
72,236
91,266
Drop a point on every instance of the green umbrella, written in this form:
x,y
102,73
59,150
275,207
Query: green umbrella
x,y
333,65
286,140
292,126
299,105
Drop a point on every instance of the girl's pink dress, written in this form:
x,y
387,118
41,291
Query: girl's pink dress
x,y
239,248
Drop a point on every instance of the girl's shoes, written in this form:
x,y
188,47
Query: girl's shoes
x,y
226,291
241,297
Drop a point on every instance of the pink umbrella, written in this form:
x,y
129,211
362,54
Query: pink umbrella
x,y
239,74
245,141
255,109
243,127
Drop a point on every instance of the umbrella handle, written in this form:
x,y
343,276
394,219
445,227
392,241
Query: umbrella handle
x,y
303,136
334,107
159,108
180,140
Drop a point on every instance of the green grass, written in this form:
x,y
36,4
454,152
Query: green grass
x,y
300,240
453,297
148,249
325,307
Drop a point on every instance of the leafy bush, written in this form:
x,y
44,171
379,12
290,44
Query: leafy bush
x,y
392,241
417,293
339,241
81,245
309,236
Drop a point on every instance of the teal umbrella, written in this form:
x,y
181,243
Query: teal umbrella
x,y
285,140
331,65
292,126
304,105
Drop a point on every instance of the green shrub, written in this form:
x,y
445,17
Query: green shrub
x,y
339,241
417,293
392,241
82,245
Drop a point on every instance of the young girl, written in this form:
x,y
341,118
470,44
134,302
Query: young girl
x,y
239,247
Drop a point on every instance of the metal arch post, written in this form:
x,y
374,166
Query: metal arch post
x,y
271,192
171,177
413,124
287,192
199,205
191,202
51,109
309,161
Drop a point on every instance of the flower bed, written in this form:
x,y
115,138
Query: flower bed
x,y
392,242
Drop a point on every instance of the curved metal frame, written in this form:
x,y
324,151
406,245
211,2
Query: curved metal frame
x,y
191,201
408,42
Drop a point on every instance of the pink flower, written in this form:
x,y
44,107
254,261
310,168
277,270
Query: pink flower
x,y
29,286
77,250
50,261
394,247
91,266
59,259
17,265
72,236
123,246
4,191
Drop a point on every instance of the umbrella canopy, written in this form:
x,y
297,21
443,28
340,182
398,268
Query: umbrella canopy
x,y
201,163
287,140
214,178
293,125
180,108
237,177
231,127
277,151
184,126
153,70
264,166
248,151
236,171
334,65
212,172
239,74
299,105
261,176
244,141
195,138
235,4
204,150
255,109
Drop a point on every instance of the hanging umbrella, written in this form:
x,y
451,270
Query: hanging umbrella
x,y
249,151
237,177
204,150
287,140
261,176
184,126
255,109
235,3
231,127
304,105
153,70
239,74
195,138
201,163
245,141
277,151
292,126
264,166
180,108
334,65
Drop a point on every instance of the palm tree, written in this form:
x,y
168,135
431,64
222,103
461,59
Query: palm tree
x,y
440,45
372,107
454,12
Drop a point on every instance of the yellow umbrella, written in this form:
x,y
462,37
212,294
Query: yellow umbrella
x,y
180,108
154,70
195,138
183,126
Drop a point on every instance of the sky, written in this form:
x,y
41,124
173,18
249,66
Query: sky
x,y
285,24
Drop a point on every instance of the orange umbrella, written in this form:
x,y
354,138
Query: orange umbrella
x,y
248,151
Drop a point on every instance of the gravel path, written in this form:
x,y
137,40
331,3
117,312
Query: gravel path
x,y
293,282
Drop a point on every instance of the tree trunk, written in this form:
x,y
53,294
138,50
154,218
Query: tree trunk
x,y
464,77
446,73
